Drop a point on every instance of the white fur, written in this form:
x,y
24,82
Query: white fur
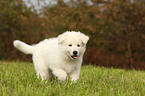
x,y
54,56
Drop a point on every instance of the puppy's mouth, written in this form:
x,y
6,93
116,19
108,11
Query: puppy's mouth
x,y
74,57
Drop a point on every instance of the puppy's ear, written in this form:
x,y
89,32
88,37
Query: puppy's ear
x,y
61,38
84,38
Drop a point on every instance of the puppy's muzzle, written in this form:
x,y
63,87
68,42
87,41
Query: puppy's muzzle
x,y
75,55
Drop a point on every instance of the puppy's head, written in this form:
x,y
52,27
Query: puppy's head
x,y
73,44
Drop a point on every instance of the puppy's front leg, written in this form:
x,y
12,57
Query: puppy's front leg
x,y
75,75
60,73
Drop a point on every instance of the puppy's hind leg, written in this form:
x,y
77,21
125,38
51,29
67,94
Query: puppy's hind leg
x,y
41,68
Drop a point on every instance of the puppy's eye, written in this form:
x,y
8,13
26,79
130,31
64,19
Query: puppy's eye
x,y
78,45
70,45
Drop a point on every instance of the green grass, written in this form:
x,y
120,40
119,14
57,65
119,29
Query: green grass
x,y
19,79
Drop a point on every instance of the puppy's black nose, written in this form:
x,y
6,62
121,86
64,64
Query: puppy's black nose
x,y
75,52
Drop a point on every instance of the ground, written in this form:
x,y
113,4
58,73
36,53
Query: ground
x,y
19,79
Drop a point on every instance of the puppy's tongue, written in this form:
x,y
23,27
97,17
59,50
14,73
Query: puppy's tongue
x,y
75,57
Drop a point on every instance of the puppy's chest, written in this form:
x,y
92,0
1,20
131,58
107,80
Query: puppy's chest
x,y
69,67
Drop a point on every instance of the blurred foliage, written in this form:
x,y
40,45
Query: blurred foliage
x,y
115,28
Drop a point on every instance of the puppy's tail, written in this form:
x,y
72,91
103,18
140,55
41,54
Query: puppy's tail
x,y
27,49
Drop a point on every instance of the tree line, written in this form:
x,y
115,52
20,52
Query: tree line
x,y
116,29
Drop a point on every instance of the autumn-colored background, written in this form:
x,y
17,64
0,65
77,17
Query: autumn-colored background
x,y
116,29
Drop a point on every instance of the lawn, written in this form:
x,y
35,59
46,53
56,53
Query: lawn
x,y
19,79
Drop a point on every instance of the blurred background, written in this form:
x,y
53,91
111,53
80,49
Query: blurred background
x,y
116,28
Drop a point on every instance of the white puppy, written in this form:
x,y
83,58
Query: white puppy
x,y
57,57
